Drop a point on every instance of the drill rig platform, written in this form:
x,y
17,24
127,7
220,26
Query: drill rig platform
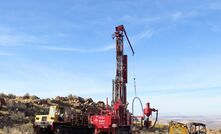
x,y
117,119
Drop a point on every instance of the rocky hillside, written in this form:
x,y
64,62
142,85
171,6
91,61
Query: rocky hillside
x,y
20,110
17,112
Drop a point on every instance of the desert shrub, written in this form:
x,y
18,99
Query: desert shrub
x,y
81,99
26,96
30,112
2,95
21,107
89,100
45,111
4,121
58,98
54,101
11,96
34,97
11,105
18,117
72,97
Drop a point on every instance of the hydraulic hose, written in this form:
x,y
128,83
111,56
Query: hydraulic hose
x,y
142,109
140,105
155,120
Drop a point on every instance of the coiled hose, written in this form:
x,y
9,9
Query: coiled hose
x,y
141,105
143,111
155,120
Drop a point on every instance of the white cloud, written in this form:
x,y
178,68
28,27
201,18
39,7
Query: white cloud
x,y
161,18
12,37
177,15
144,34
69,49
184,15
18,39
109,47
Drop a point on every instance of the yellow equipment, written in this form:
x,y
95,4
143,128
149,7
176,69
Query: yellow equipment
x,y
55,113
177,128
191,128
62,120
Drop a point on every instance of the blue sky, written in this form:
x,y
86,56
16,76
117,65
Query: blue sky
x,y
52,48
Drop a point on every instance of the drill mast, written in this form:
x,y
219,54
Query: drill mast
x,y
120,89
119,95
118,119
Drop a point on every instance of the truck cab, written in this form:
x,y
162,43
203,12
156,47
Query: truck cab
x,y
46,122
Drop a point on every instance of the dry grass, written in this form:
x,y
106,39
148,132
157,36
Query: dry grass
x,y
158,129
18,129
214,131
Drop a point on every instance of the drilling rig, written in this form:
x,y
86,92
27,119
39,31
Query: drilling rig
x,y
117,119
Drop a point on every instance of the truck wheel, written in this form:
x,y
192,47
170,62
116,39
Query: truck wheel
x,y
59,130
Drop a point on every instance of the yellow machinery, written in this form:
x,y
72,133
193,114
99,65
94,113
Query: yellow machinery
x,y
191,128
178,128
62,120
